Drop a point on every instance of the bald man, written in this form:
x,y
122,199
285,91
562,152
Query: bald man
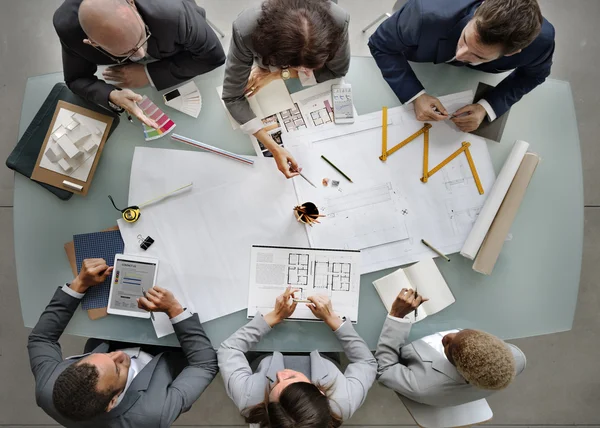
x,y
161,43
114,385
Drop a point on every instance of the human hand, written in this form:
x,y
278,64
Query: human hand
x,y
92,272
284,307
322,308
127,76
286,163
474,115
259,78
127,99
405,303
160,300
429,108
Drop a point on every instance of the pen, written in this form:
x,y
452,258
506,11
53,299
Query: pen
x,y
417,308
129,118
304,176
336,168
151,313
466,113
431,247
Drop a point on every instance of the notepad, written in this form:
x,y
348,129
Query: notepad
x,y
426,278
102,245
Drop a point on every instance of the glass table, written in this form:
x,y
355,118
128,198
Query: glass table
x,y
533,289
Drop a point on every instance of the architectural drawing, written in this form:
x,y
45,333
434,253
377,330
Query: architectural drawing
x,y
298,269
457,174
461,218
292,119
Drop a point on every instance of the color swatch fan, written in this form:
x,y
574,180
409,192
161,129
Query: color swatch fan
x,y
186,99
165,125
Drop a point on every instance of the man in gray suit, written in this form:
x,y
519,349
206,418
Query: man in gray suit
x,y
444,369
131,387
171,37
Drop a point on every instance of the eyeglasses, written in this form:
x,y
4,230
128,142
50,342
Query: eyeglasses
x,y
123,58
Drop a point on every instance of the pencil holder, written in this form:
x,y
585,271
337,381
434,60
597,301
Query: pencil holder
x,y
307,213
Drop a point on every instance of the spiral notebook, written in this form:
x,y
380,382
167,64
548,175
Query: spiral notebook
x,y
97,245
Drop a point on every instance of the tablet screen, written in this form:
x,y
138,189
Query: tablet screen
x,y
130,277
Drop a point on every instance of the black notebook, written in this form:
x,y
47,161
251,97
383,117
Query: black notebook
x,y
24,156
490,130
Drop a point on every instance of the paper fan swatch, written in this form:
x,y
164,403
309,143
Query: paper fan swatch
x,y
185,98
151,110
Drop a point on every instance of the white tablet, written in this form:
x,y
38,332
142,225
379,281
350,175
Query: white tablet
x,y
130,275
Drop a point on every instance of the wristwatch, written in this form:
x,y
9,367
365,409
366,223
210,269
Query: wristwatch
x,y
285,74
116,108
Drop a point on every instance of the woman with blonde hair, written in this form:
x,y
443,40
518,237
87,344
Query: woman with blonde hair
x,y
296,390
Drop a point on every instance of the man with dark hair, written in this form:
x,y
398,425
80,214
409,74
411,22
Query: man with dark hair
x,y
116,384
492,36
161,43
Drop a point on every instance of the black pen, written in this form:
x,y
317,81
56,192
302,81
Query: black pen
x,y
129,118
417,308
151,313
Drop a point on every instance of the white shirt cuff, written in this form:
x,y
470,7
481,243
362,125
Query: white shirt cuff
x,y
488,108
181,317
252,126
72,292
402,320
148,75
415,97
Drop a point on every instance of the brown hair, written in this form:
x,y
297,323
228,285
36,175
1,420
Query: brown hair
x,y
484,360
296,33
300,405
514,24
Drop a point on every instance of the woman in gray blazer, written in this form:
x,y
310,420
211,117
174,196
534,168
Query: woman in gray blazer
x,y
283,39
307,390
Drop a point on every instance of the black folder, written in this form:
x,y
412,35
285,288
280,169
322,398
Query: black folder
x,y
24,156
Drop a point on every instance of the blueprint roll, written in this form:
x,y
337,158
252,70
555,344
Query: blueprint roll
x,y
494,200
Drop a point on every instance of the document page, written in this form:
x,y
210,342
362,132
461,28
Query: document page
x,y
333,273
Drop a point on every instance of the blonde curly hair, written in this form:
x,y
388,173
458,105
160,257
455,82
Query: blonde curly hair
x,y
483,360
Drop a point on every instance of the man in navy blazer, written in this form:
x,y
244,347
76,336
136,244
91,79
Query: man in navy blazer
x,y
492,36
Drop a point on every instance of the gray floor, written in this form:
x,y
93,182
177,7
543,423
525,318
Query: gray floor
x,y
561,386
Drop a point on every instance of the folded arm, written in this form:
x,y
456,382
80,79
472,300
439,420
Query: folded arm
x,y
202,51
234,367
395,38
391,372
201,370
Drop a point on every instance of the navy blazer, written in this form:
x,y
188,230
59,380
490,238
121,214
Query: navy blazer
x,y
429,30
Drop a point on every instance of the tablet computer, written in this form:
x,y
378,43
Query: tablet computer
x,y
130,275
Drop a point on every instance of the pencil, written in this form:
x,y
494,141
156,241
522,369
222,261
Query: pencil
x,y
427,244
309,182
336,168
151,313
301,301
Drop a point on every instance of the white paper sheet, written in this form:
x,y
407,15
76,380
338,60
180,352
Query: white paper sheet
x,y
495,198
441,211
312,271
205,234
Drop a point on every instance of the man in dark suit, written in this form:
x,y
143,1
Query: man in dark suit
x,y
170,37
117,385
492,36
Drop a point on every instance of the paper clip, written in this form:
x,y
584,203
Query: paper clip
x,y
145,243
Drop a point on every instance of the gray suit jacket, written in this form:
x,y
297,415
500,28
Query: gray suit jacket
x,y
182,42
246,389
157,395
420,373
242,56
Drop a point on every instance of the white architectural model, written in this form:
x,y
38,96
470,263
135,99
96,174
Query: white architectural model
x,y
73,144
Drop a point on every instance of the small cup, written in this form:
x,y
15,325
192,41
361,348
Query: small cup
x,y
309,208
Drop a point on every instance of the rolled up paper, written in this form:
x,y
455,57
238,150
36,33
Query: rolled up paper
x,y
494,200
496,236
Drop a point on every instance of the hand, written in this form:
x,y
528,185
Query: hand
x,y
322,308
160,300
286,163
405,303
128,99
284,307
92,272
471,121
259,78
426,106
127,76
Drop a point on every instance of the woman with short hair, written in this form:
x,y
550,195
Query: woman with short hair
x,y
306,390
283,39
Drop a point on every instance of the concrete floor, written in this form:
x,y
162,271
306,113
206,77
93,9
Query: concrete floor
x,y
561,386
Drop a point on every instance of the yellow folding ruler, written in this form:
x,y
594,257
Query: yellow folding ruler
x,y
425,131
